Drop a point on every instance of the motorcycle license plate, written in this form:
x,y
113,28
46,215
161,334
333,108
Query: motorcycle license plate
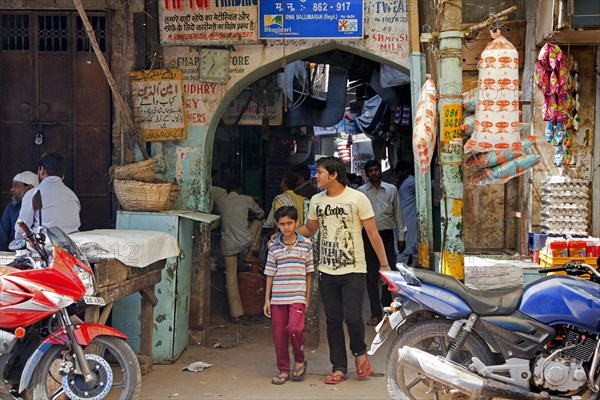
x,y
94,301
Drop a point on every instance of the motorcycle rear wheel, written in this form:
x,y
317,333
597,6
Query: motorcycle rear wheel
x,y
430,336
124,368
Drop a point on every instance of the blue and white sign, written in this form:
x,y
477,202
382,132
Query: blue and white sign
x,y
310,19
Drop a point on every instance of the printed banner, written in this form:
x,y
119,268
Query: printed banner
x,y
193,22
157,97
311,19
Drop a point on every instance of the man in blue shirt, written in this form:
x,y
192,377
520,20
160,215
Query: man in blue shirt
x,y
22,182
408,204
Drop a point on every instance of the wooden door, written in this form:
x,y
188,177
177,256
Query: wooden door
x,y
53,90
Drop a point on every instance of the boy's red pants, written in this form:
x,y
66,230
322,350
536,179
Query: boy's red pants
x,y
287,322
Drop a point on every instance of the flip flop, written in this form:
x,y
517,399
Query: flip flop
x,y
334,378
294,376
280,379
363,369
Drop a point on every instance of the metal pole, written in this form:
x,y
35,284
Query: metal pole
x,y
422,181
451,148
596,156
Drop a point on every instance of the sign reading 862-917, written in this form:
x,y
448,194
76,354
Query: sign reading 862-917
x,y
310,19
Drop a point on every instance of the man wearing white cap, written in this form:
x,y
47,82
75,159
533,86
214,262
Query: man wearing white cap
x,y
22,182
60,205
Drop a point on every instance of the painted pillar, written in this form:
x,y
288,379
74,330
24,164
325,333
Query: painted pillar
x,y
422,181
449,86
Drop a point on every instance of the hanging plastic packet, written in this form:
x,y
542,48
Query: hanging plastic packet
x,y
559,155
549,133
559,134
568,157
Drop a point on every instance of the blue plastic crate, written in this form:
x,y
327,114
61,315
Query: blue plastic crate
x,y
536,241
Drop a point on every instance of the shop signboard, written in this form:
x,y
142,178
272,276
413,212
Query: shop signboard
x,y
196,22
157,97
311,19
252,112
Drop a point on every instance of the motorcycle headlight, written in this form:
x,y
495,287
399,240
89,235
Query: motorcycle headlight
x,y
88,280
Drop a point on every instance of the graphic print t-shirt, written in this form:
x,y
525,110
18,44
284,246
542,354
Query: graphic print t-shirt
x,y
341,245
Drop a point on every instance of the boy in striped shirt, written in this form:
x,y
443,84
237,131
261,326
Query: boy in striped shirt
x,y
289,271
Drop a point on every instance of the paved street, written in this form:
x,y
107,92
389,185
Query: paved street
x,y
243,370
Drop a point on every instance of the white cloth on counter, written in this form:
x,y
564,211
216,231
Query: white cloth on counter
x,y
134,248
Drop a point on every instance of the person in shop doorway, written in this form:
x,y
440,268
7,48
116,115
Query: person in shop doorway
x,y
60,205
287,198
388,217
289,270
21,184
339,213
305,187
216,192
239,237
405,171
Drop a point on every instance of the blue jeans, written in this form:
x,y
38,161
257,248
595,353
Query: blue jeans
x,y
342,297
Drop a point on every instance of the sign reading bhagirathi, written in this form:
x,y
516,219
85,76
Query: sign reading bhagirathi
x,y
192,22
157,97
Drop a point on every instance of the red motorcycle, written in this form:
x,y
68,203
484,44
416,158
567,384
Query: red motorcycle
x,y
43,354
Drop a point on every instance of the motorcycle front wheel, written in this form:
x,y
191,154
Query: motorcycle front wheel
x,y
430,336
111,359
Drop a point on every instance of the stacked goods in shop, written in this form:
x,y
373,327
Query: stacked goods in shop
x,y
498,165
559,251
491,118
564,206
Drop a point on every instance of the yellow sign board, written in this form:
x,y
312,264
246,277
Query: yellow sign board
x,y
451,123
157,97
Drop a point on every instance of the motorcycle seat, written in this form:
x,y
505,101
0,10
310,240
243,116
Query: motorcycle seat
x,y
483,302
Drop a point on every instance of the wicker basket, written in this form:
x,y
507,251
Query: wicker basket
x,y
143,171
144,196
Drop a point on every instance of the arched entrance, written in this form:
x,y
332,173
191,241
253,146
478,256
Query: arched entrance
x,y
257,151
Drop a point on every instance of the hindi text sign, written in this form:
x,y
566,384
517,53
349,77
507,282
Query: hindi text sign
x,y
194,22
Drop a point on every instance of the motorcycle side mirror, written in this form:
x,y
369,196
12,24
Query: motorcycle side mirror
x,y
17,244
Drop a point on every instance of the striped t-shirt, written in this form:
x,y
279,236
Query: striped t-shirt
x,y
289,267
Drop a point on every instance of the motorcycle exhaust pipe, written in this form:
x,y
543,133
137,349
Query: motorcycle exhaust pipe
x,y
457,377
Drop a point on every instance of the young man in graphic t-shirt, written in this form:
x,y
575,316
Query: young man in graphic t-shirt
x,y
340,213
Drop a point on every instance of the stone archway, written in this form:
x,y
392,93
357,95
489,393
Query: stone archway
x,y
192,158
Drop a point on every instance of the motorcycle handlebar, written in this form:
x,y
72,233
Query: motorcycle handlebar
x,y
552,269
24,228
573,268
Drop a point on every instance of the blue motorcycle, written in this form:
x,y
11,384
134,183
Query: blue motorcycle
x,y
452,342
